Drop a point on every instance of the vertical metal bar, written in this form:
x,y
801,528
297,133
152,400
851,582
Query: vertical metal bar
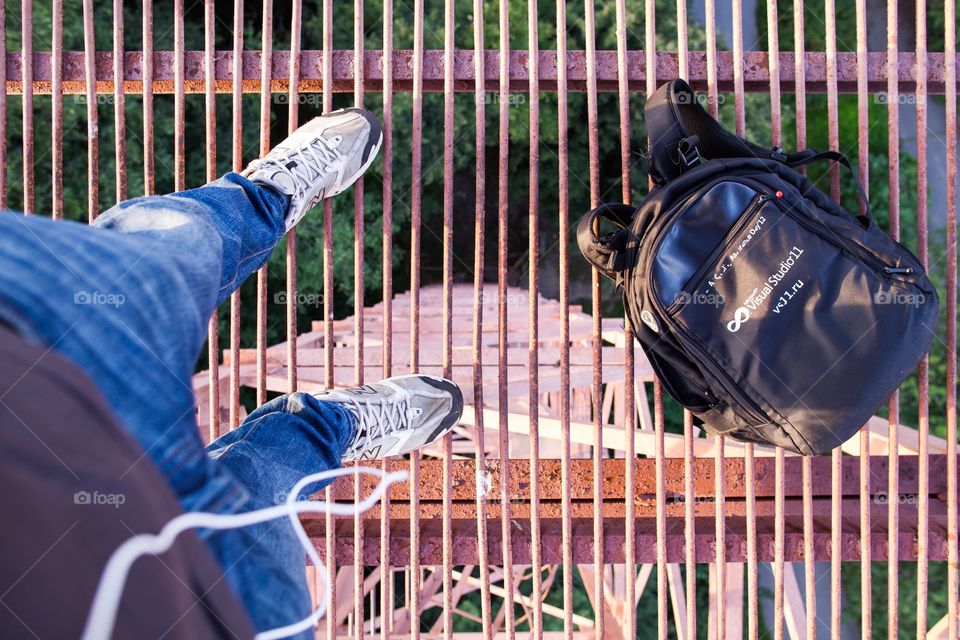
x,y
893,175
293,121
689,522
447,333
776,134
89,75
328,342
710,13
623,101
57,116
358,213
778,554
386,589
773,54
689,528
863,142
683,61
650,46
597,388
503,201
836,497
563,249
533,361
266,78
415,231
923,370
26,37
237,119
719,459
213,327
358,320
119,101
387,193
480,124
629,404
950,78
147,69
809,567
179,141
748,453
720,526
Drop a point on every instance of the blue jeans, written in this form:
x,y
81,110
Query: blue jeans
x,y
128,299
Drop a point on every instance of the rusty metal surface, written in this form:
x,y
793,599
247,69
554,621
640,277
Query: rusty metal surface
x,y
755,70
584,509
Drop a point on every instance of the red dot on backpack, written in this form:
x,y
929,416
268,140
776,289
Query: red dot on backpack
x,y
779,194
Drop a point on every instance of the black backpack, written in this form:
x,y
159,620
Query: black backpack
x,y
764,307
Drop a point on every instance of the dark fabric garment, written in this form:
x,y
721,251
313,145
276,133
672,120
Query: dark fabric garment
x,y
75,485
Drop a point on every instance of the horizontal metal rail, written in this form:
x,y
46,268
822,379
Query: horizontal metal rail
x,y
756,71
612,510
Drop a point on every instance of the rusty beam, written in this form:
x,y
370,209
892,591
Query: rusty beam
x,y
582,544
756,74
464,479
613,509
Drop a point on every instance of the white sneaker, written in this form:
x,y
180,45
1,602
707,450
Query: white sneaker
x,y
320,159
398,415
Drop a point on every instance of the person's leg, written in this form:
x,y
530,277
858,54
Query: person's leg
x,y
299,434
128,300
277,445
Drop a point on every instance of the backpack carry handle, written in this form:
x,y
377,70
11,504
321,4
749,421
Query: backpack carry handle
x,y
606,252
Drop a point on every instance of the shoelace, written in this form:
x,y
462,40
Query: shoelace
x,y
377,419
316,159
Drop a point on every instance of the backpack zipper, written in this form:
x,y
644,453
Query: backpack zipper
x,y
694,282
853,248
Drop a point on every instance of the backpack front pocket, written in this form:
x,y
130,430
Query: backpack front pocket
x,y
802,325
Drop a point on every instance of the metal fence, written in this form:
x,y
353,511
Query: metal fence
x,y
562,482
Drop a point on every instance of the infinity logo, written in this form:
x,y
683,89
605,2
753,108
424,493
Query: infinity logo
x,y
740,316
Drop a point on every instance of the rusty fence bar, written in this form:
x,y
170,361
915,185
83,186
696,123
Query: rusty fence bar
x,y
755,64
590,479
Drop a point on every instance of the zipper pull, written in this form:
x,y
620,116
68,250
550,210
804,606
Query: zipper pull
x,y
898,270
764,197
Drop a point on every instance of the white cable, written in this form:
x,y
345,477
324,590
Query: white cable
x,y
106,600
